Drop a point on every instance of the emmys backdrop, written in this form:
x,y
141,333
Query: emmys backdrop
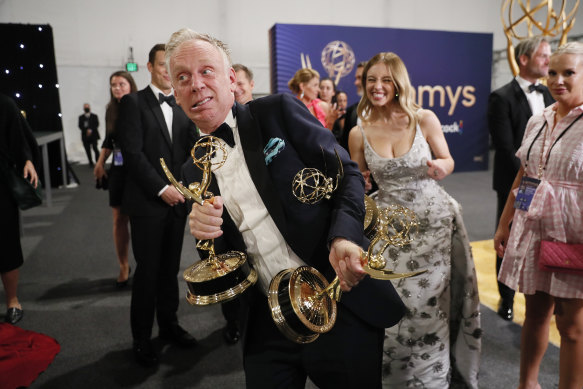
x,y
450,72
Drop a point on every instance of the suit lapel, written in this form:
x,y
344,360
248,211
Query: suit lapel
x,y
154,105
521,98
252,145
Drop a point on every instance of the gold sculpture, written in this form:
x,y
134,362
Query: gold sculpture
x,y
303,304
220,277
311,185
554,23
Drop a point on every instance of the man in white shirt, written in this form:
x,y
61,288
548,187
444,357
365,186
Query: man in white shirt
x,y
245,84
151,126
268,141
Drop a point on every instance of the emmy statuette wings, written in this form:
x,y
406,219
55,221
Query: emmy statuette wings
x,y
220,277
302,302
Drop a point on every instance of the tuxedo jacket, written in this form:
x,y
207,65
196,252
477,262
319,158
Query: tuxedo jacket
x,y
92,123
508,113
307,229
144,139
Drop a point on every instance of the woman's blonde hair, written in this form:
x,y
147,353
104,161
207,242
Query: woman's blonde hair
x,y
303,75
569,48
404,92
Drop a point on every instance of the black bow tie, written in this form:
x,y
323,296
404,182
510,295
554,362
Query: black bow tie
x,y
168,99
225,133
537,87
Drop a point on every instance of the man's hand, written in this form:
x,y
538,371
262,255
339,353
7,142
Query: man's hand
x,y
88,132
205,220
172,196
345,257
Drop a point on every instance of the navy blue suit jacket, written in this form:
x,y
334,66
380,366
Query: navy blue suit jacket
x,y
308,229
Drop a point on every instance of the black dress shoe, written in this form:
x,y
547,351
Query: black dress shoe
x,y
231,332
145,354
505,311
13,315
177,335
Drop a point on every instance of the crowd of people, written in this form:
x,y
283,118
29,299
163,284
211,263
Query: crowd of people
x,y
415,332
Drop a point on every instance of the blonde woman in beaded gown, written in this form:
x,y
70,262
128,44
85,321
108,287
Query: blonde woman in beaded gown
x,y
437,343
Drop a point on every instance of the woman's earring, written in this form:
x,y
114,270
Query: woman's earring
x,y
397,95
302,95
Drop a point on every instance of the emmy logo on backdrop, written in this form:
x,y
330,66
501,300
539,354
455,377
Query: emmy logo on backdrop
x,y
338,59
220,277
302,302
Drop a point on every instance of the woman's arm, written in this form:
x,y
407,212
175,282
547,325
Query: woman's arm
x,y
99,169
443,164
356,149
503,230
30,173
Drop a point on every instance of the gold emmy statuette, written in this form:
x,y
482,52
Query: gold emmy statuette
x,y
545,18
303,304
371,217
220,277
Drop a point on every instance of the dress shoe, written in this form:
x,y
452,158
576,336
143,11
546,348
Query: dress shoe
x,y
176,334
505,311
145,354
13,315
231,332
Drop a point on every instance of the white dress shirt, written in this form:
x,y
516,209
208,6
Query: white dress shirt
x,y
166,109
266,248
536,100
168,116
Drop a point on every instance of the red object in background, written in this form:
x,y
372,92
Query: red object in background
x,y
23,355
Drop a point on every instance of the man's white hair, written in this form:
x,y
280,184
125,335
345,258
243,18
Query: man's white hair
x,y
186,34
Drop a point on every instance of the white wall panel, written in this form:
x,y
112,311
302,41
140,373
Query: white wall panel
x,y
92,37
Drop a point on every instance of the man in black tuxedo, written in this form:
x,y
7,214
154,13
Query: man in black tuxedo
x,y
268,141
351,115
151,126
88,123
509,109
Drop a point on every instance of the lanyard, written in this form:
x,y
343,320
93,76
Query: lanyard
x,y
553,145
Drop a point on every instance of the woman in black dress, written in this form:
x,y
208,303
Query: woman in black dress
x,y
121,83
17,144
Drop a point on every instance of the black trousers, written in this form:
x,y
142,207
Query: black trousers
x,y
506,293
349,356
157,244
91,144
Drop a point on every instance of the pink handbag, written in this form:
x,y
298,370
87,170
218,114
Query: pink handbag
x,y
561,257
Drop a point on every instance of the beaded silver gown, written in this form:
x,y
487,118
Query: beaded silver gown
x,y
437,344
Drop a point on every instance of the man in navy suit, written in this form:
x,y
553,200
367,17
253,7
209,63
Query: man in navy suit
x,y
255,211
151,126
509,109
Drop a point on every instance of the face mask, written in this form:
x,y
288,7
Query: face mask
x,y
87,110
